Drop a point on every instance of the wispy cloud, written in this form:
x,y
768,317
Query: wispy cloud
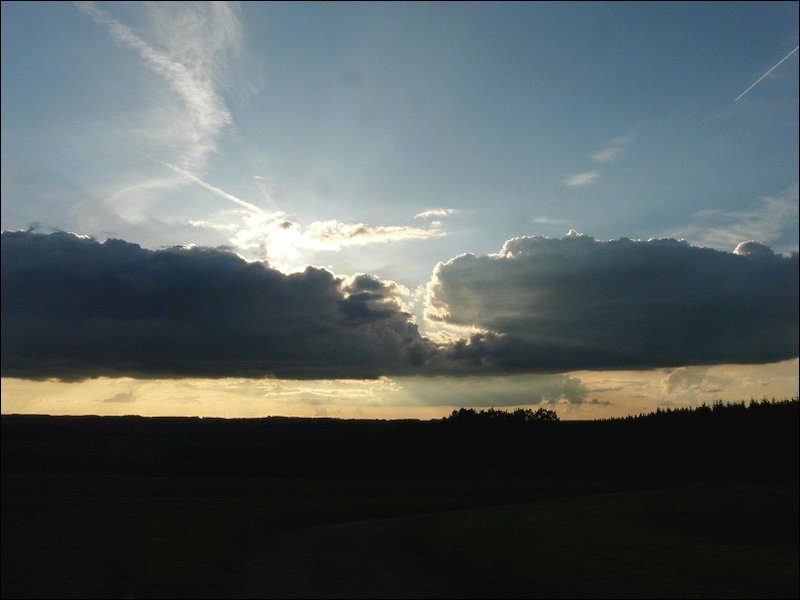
x,y
189,66
582,179
609,154
606,155
757,81
434,212
548,221
614,150
333,235
275,237
767,221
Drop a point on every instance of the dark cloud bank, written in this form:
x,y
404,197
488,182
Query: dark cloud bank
x,y
74,308
577,303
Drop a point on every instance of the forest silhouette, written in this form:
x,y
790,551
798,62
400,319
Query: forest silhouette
x,y
758,439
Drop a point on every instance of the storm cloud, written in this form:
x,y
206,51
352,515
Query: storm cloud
x,y
74,308
577,303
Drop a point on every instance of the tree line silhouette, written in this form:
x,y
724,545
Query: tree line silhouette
x,y
739,441
519,415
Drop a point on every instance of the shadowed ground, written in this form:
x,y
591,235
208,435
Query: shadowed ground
x,y
345,560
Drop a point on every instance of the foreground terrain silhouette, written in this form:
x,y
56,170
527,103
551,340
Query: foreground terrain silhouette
x,y
169,507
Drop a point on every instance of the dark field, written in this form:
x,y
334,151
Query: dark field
x,y
686,504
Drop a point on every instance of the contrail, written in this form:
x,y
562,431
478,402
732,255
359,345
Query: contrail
x,y
219,192
767,73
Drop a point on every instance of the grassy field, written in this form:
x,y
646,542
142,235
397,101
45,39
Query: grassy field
x,y
719,541
131,507
94,536
117,536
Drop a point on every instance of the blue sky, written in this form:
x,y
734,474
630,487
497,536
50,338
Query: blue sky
x,y
385,138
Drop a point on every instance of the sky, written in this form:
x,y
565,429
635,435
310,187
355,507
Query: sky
x,y
392,210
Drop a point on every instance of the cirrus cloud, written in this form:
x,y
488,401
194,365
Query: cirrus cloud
x,y
582,179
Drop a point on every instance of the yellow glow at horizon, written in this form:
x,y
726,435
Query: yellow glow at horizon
x,y
609,394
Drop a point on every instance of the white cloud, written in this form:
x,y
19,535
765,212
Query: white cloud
x,y
614,151
434,212
582,179
333,235
195,38
768,220
608,154
130,202
548,221
273,236
623,140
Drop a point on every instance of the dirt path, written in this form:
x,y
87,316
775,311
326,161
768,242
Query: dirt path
x,y
345,560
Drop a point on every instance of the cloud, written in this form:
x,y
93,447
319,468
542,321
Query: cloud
x,y
597,402
548,221
434,212
609,154
122,397
334,234
275,237
577,303
768,220
512,390
74,308
582,179
614,151
684,377
606,155
191,41
692,385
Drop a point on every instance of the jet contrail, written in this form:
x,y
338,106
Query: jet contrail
x,y
767,73
219,192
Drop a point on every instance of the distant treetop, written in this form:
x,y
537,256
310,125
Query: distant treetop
x,y
519,415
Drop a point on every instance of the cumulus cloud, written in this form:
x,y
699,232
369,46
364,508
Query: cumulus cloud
x,y
74,308
694,379
582,179
574,303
